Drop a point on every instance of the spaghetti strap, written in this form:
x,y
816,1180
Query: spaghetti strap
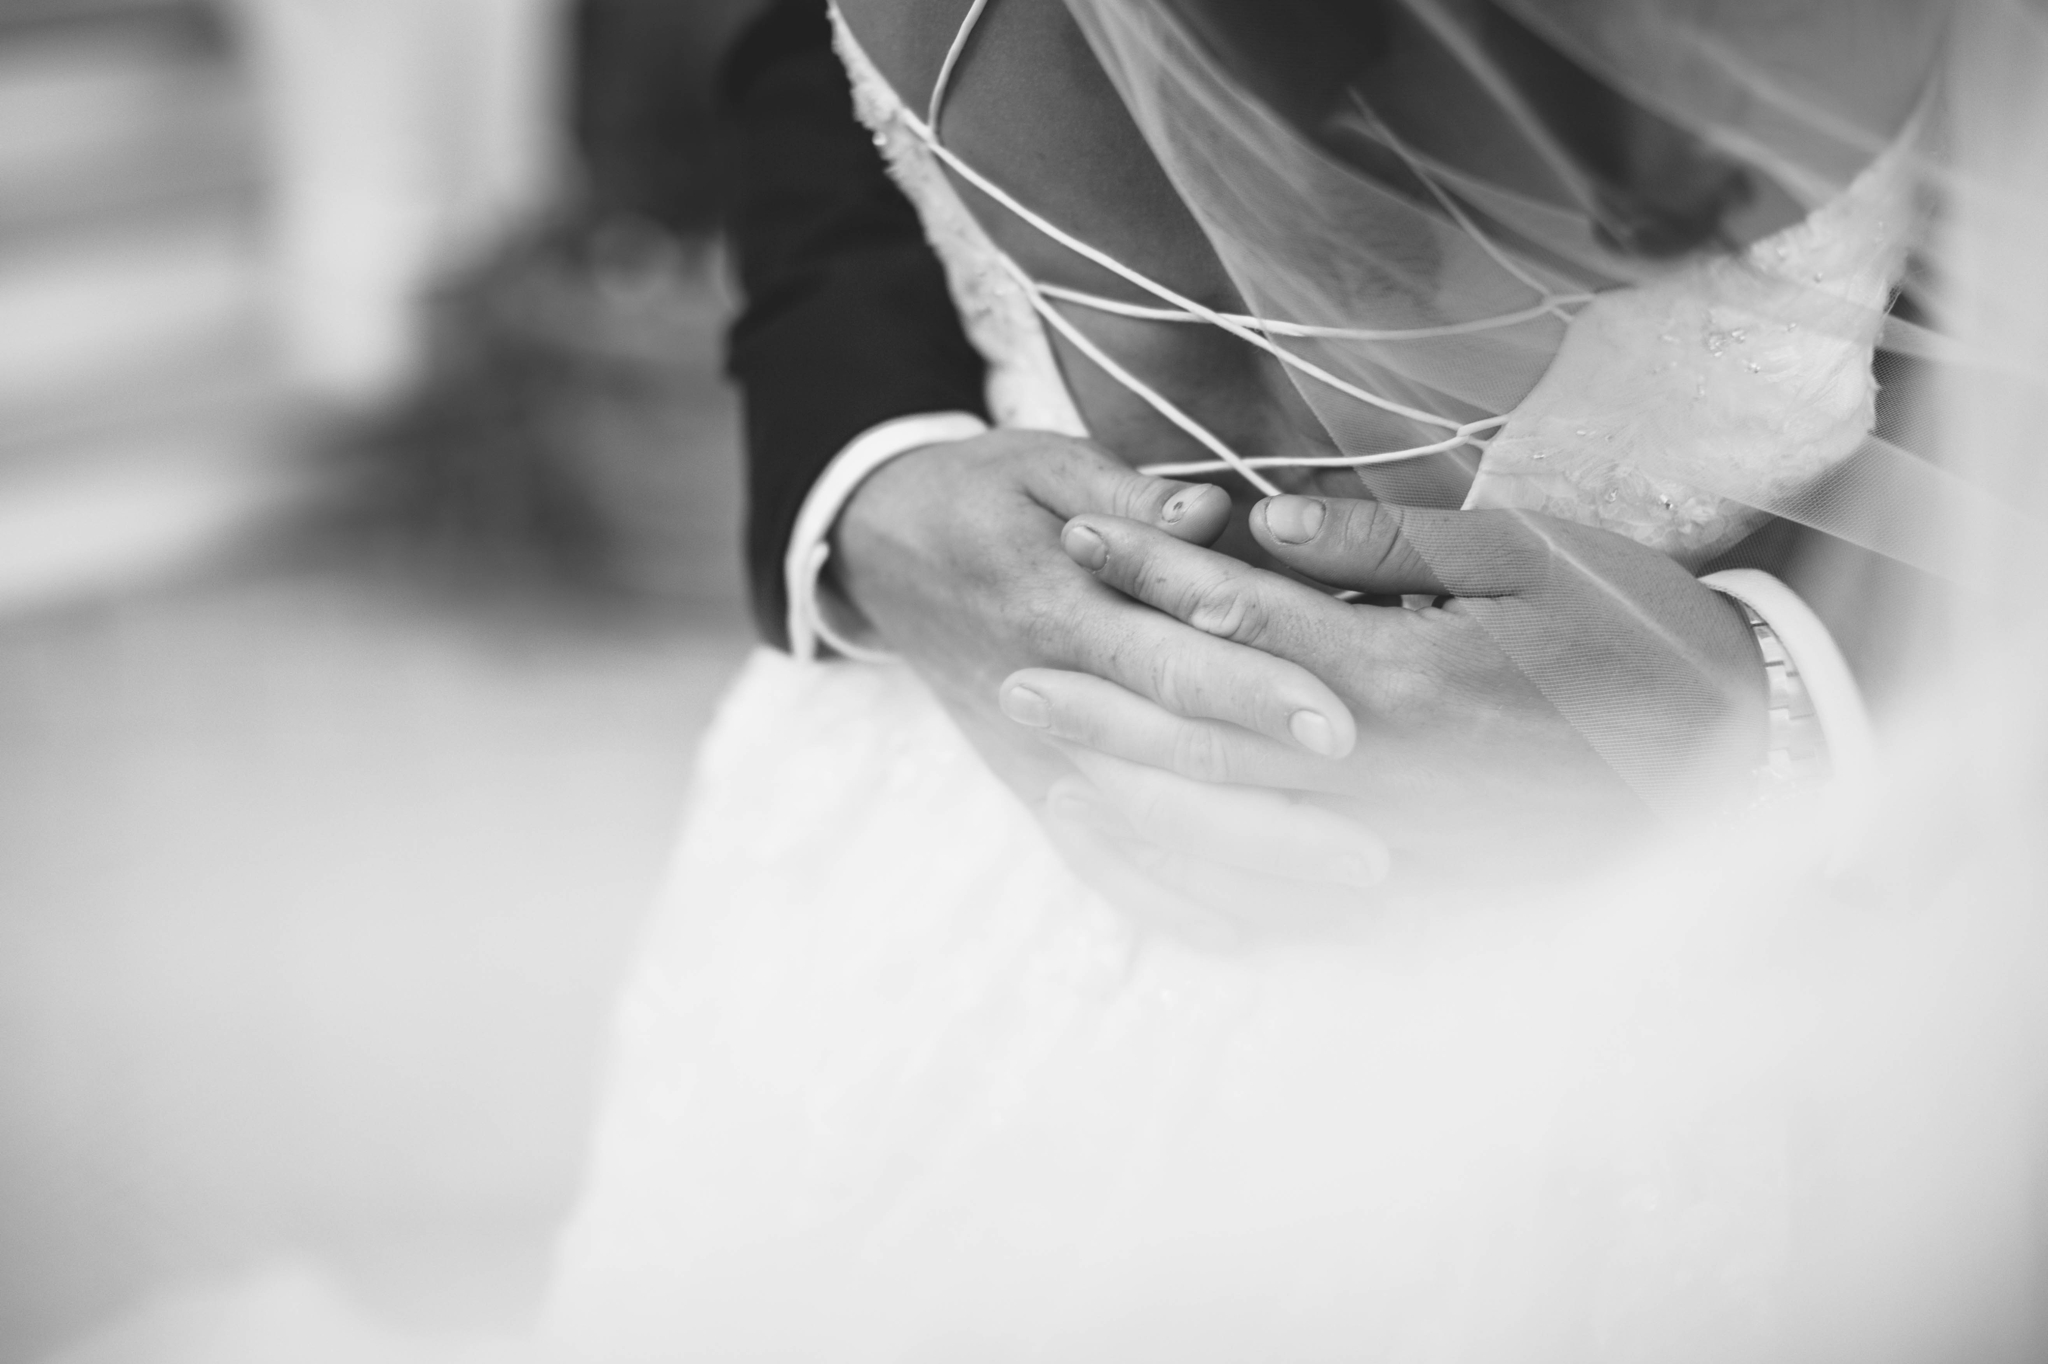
x,y
1258,332
945,80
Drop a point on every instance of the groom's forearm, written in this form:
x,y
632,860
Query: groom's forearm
x,y
847,322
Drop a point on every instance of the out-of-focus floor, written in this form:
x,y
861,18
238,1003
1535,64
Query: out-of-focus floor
x,y
316,884
317,866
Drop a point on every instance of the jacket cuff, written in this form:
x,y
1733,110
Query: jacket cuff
x,y
817,616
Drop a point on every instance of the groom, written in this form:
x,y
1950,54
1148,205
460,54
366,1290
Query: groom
x,y
882,510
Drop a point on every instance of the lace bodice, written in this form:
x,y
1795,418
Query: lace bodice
x,y
1676,408
1024,384
1673,410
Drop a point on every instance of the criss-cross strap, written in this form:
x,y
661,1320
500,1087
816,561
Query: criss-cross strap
x,y
1259,332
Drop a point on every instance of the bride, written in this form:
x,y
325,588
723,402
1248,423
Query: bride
x,y
1456,949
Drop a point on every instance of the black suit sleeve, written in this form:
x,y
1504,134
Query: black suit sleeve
x,y
847,320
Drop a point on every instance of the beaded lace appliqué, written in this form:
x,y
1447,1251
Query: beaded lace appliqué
x,y
1647,447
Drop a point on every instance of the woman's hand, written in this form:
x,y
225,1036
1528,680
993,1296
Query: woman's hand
x,y
1573,679
953,554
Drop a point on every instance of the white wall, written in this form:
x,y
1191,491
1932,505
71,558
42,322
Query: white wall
x,y
403,136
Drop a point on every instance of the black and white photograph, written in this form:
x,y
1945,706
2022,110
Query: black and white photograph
x,y
1023,681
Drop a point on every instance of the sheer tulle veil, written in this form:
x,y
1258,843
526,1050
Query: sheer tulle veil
x,y
1885,1011
1433,203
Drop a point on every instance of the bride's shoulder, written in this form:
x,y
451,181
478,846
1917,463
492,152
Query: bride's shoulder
x,y
905,39
1016,44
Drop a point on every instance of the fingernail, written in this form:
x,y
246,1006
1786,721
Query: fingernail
x,y
1294,520
1085,547
1176,507
1313,732
1027,707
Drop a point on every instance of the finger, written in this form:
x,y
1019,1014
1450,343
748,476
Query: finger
x,y
1231,600
1346,542
1237,826
1377,547
1202,677
1072,477
1078,708
1390,786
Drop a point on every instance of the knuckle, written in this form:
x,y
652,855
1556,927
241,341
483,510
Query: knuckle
x,y
1171,683
1372,531
1199,752
1075,717
1066,720
1230,610
1151,581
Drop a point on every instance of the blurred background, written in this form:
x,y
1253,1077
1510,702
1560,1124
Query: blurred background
x,y
369,565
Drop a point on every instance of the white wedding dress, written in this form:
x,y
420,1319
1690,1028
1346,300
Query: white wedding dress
x,y
890,1083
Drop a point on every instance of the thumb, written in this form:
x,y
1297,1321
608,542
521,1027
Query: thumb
x,y
1384,549
1072,478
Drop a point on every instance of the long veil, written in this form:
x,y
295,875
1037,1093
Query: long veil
x,y
1766,177
1862,1047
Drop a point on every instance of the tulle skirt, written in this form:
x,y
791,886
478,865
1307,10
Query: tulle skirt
x,y
889,1083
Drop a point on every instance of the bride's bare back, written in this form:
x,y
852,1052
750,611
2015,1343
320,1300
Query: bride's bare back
x,y
1029,106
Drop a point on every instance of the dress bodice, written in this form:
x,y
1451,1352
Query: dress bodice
x,y
1672,412
1675,409
1024,384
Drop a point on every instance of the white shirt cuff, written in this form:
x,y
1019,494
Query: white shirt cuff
x,y
1837,701
811,609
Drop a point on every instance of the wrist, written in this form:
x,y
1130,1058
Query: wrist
x,y
868,544
820,615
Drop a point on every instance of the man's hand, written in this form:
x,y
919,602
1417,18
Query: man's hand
x,y
1650,683
953,554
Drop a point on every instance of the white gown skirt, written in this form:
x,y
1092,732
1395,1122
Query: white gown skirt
x,y
888,1083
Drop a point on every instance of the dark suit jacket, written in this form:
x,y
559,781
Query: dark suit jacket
x,y
847,320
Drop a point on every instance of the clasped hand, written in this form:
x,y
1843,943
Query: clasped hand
x,y
1652,695
1241,735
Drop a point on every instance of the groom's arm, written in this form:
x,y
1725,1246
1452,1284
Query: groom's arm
x,y
847,323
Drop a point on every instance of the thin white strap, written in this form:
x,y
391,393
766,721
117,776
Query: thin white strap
x,y
1837,701
1229,458
1147,313
1221,320
1464,436
1549,304
1254,331
939,86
